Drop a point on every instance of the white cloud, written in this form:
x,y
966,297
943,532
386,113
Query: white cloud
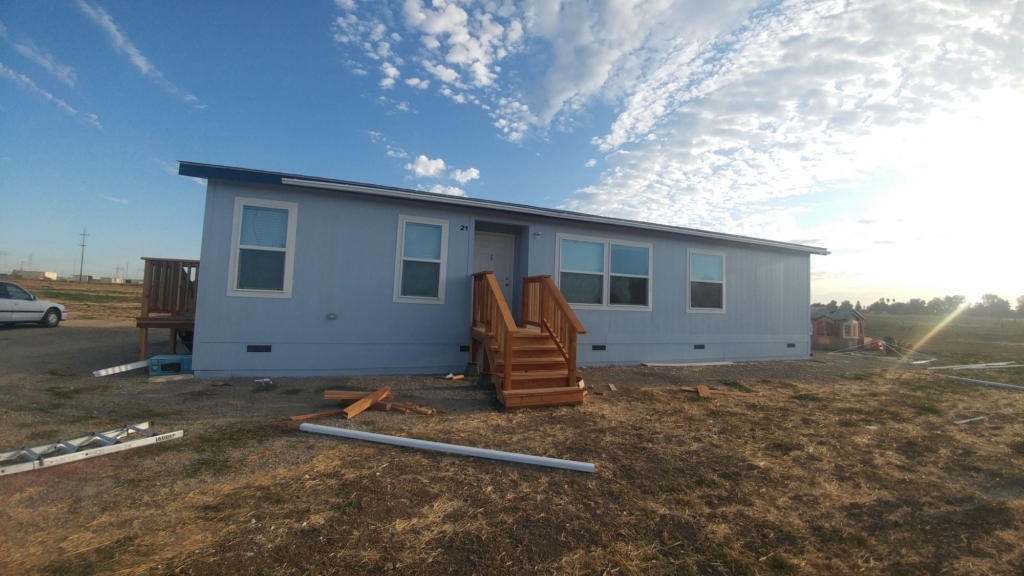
x,y
417,83
463,176
395,152
62,72
423,167
443,73
28,84
389,70
122,44
113,199
449,190
590,163
387,83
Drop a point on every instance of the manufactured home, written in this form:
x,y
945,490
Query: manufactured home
x,y
305,276
836,329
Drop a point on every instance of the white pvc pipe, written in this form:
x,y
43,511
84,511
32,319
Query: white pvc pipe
x,y
984,383
450,448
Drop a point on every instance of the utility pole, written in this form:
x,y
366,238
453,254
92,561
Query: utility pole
x,y
81,262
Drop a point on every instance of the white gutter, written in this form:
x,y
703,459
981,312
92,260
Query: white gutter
x,y
441,199
449,448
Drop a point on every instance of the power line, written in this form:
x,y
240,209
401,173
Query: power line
x,y
81,263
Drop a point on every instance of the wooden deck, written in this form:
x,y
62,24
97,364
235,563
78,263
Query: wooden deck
x,y
169,289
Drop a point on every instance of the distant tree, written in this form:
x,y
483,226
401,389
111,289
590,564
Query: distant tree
x,y
880,306
953,302
846,305
993,306
817,305
935,306
832,305
860,308
916,306
1020,305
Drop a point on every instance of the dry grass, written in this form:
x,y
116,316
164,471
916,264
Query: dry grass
x,y
791,481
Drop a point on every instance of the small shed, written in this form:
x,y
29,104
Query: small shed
x,y
836,329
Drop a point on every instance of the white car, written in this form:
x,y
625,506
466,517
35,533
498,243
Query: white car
x,y
18,306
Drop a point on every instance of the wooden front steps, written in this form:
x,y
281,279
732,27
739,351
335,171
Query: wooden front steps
x,y
533,364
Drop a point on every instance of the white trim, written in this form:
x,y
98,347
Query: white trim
x,y
518,209
289,249
607,274
399,256
690,309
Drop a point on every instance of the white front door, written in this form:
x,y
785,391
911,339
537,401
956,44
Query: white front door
x,y
494,252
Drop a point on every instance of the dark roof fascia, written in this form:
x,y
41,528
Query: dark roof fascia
x,y
228,173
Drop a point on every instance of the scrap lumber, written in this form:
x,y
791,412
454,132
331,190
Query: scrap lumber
x,y
348,395
703,392
361,405
979,418
316,415
450,448
714,392
612,387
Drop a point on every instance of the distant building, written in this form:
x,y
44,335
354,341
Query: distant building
x,y
34,275
109,280
836,329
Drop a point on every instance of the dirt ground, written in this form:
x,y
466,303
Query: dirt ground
x,y
836,465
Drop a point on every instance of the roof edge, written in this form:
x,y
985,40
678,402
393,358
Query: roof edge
x,y
215,172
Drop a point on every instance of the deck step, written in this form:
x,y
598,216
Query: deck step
x,y
536,379
520,364
541,397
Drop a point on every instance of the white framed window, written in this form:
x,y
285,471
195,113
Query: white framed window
x,y
850,331
421,260
705,274
262,248
604,273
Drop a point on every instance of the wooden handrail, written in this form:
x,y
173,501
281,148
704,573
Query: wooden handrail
x,y
491,312
169,287
545,307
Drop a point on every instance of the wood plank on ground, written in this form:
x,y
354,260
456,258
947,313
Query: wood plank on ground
x,y
348,395
316,415
361,405
703,391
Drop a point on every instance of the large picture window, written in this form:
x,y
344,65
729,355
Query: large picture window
x,y
263,248
594,272
707,281
421,263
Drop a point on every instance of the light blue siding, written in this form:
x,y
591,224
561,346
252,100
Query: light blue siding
x,y
345,253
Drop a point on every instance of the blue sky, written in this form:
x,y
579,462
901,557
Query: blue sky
x,y
884,131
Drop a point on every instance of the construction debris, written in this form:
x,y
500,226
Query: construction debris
x,y
970,420
263,381
363,404
170,378
985,383
451,376
712,392
382,404
988,366
122,368
450,448
891,348
316,415
348,395
612,387
89,446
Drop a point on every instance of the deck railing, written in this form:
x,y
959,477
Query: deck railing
x,y
491,314
545,307
169,287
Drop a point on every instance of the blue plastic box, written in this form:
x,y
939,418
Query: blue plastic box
x,y
177,364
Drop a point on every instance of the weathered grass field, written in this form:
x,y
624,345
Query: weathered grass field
x,y
835,466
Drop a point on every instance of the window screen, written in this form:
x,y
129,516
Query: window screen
x,y
262,249
421,260
707,284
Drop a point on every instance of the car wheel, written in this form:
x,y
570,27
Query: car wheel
x,y
50,319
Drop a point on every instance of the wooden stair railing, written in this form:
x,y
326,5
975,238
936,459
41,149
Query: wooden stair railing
x,y
169,290
545,307
492,316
